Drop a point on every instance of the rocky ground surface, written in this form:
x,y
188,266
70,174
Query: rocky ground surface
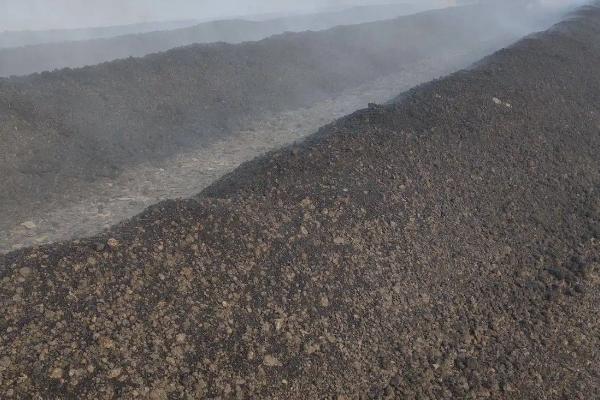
x,y
89,208
444,246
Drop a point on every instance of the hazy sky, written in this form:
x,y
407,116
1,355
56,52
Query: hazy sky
x,y
56,14
49,14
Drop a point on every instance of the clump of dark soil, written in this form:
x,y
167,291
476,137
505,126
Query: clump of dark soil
x,y
60,130
444,246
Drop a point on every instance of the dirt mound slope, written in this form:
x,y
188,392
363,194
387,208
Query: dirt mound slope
x,y
47,57
444,246
60,129
89,208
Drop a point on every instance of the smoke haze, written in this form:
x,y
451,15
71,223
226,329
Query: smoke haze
x,y
68,14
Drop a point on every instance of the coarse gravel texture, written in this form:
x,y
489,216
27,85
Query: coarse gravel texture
x,y
444,246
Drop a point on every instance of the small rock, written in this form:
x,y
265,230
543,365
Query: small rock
x,y
311,348
41,239
112,243
389,392
278,324
304,230
25,271
396,381
4,363
324,301
496,100
114,373
56,373
271,361
29,225
180,338
339,241
306,202
374,392
507,387
188,273
158,394
106,343
557,273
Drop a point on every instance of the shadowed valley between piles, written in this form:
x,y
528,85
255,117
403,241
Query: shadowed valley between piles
x,y
63,132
